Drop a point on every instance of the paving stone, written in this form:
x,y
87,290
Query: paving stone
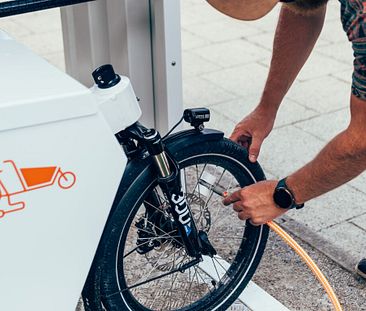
x,y
289,112
359,183
332,208
225,30
287,149
56,59
206,14
328,125
333,11
267,23
44,43
191,41
194,65
318,65
235,52
220,122
344,76
15,30
333,31
246,81
264,40
360,221
323,94
199,92
341,51
348,237
40,22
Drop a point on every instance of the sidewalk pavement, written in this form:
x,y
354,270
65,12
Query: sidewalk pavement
x,y
225,63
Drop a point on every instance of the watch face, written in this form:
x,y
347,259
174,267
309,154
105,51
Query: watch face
x,y
282,198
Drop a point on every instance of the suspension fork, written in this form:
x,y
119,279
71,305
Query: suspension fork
x,y
170,182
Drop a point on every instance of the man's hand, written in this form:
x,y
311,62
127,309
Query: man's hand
x,y
256,203
253,129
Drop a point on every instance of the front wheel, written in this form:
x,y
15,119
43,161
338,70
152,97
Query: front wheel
x,y
144,250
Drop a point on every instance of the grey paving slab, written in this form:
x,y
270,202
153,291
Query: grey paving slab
x,y
340,51
56,59
349,237
44,43
360,221
206,14
287,149
191,41
225,30
289,113
220,122
359,183
198,92
40,22
333,11
269,22
333,31
344,76
246,81
194,65
14,29
320,66
323,94
328,125
331,209
232,53
264,40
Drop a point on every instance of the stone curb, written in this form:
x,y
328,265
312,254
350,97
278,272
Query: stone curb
x,y
302,232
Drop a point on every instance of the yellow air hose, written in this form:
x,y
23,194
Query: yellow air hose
x,y
310,263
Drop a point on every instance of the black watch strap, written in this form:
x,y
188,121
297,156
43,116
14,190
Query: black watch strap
x,y
284,197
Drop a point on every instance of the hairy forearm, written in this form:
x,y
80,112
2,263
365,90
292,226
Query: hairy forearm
x,y
341,160
295,38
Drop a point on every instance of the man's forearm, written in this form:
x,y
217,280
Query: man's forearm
x,y
341,160
294,40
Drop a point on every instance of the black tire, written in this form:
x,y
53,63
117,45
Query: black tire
x,y
119,266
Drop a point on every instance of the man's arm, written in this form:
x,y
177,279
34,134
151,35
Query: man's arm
x,y
295,38
341,160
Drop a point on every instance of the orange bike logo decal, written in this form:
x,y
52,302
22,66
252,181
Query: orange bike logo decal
x,y
28,179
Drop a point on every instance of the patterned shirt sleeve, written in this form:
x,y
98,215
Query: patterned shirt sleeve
x,y
353,16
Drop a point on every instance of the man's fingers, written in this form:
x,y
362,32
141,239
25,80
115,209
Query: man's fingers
x,y
254,149
239,137
243,215
232,198
238,207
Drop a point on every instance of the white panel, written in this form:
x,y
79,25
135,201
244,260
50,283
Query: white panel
x,y
116,32
47,247
142,41
166,38
34,92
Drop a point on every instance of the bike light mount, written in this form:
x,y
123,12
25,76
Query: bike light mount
x,y
197,117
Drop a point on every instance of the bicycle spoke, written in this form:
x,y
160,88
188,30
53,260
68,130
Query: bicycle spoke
x,y
156,279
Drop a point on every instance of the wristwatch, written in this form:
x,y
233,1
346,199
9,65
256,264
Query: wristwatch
x,y
283,196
